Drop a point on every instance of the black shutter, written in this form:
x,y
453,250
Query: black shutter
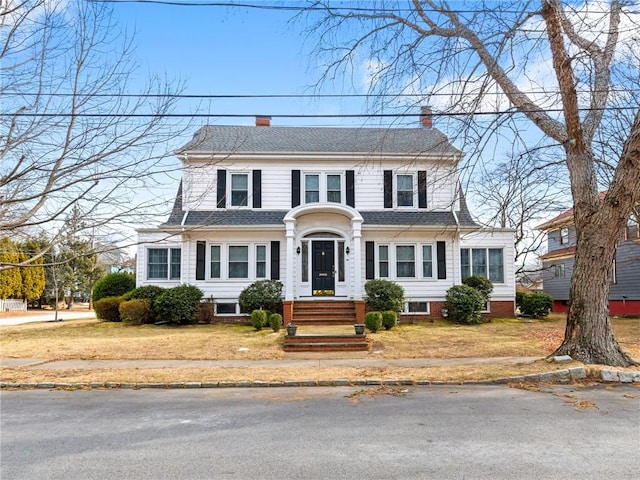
x,y
295,188
275,260
388,189
370,263
441,255
222,188
422,189
200,259
351,188
257,189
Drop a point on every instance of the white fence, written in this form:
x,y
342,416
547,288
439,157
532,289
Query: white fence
x,y
13,305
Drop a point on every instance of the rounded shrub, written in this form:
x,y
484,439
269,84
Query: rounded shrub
x,y
136,312
178,305
464,304
261,295
482,284
259,319
384,295
536,304
373,321
275,321
389,319
108,309
113,285
146,292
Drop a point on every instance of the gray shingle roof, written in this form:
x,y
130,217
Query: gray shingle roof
x,y
239,139
204,218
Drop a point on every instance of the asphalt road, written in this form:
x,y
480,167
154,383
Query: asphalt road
x,y
443,432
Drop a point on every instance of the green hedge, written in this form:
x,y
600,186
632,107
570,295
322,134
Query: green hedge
x,y
178,305
536,304
373,321
136,311
389,319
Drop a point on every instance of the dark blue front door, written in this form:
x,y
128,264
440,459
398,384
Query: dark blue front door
x,y
323,268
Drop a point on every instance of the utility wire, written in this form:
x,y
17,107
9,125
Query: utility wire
x,y
296,115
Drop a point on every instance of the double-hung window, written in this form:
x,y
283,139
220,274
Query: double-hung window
x,y
321,187
404,190
216,270
405,261
239,189
383,261
261,261
564,236
427,261
163,263
486,262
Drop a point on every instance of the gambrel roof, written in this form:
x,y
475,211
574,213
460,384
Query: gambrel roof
x,y
250,139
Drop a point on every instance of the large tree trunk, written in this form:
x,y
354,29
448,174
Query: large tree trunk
x,y
599,224
588,335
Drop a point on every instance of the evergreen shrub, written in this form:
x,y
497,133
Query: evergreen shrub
x,y
464,304
178,305
389,319
113,285
373,321
482,284
536,304
136,311
259,319
108,309
261,295
275,322
384,295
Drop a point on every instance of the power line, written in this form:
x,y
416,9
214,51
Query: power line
x,y
298,115
292,95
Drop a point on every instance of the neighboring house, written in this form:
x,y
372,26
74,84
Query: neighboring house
x,y
323,210
624,297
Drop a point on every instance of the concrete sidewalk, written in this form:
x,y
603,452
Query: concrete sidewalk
x,y
291,361
47,317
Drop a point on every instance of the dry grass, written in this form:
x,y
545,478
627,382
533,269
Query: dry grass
x,y
91,339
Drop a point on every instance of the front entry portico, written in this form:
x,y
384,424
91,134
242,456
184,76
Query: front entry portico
x,y
323,252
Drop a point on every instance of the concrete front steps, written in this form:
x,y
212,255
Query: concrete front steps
x,y
326,312
326,343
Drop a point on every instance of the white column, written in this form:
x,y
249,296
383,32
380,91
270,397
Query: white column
x,y
356,259
290,259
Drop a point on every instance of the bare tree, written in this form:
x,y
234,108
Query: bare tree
x,y
71,134
519,193
558,67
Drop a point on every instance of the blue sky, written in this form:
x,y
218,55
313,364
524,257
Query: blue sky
x,y
227,51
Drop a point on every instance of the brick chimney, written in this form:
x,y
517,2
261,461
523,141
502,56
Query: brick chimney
x,y
263,121
426,118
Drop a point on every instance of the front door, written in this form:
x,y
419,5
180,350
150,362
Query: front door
x,y
322,268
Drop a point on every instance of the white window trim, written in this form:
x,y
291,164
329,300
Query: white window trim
x,y
322,187
168,248
251,259
393,264
416,300
414,182
227,301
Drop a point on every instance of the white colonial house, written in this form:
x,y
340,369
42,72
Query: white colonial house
x,y
323,210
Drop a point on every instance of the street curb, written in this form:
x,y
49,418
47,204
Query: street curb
x,y
558,376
